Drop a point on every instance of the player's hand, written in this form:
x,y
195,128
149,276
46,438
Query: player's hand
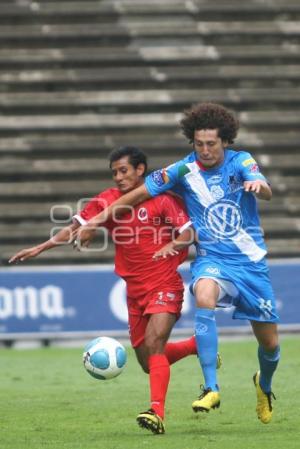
x,y
85,234
25,254
255,186
260,188
165,251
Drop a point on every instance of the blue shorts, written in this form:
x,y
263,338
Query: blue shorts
x,y
247,287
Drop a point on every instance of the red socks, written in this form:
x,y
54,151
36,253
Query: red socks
x,y
159,371
159,374
180,349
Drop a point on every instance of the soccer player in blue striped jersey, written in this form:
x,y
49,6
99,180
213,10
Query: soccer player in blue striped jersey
x,y
219,187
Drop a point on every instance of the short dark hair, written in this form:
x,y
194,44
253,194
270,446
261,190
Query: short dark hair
x,y
135,156
210,116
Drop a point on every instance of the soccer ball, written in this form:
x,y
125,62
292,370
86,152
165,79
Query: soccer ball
x,y
104,358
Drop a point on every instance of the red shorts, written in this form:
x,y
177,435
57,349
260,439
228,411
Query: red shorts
x,y
140,309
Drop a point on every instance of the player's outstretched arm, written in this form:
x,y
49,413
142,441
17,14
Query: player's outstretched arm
x,y
87,232
260,188
65,235
186,238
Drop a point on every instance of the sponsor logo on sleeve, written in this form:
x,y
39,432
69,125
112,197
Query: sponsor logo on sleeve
x,y
158,178
248,162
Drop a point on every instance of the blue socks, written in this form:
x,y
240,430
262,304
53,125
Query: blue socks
x,y
268,361
207,345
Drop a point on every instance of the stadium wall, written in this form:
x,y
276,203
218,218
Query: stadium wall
x,y
52,303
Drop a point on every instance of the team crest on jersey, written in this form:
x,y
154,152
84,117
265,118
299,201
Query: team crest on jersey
x,y
254,168
217,192
142,214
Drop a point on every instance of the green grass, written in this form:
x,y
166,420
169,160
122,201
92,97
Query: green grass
x,y
47,400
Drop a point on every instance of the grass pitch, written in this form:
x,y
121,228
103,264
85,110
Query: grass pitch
x,y
47,400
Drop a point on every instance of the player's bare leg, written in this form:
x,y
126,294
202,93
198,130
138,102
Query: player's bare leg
x,y
268,356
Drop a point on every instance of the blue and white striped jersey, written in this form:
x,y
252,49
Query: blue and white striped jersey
x,y
224,216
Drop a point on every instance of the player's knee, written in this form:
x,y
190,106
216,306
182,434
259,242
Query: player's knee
x,y
270,344
204,302
206,293
154,344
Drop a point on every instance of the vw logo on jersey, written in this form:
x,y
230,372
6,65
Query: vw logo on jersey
x,y
223,219
142,214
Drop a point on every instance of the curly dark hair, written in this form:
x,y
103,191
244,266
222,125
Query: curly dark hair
x,y
210,116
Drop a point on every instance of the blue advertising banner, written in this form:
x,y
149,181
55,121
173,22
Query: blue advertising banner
x,y
93,298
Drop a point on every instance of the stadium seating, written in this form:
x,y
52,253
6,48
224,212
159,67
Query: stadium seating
x,y
80,78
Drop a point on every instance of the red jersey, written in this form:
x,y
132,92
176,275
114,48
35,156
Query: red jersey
x,y
137,234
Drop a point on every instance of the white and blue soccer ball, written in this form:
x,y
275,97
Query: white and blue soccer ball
x,y
104,358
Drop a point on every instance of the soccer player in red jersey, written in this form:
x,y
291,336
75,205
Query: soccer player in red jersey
x,y
154,287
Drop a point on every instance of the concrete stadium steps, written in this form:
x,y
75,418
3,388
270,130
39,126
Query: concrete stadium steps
x,y
283,247
73,145
280,206
37,211
168,82
144,30
33,233
21,168
170,145
78,81
89,122
171,53
56,11
146,101
54,189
